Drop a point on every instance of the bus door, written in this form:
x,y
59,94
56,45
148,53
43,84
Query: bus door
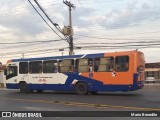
x,y
123,73
23,71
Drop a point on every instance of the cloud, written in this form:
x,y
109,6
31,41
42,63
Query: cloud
x,y
18,18
132,14
135,12
22,21
80,14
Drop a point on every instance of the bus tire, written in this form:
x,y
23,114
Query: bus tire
x,y
39,91
23,87
81,88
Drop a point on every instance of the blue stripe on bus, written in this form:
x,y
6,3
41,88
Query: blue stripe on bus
x,y
47,58
93,85
94,55
59,57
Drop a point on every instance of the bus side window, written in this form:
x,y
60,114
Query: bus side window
x,y
23,67
66,65
122,63
50,66
104,64
96,64
84,65
35,67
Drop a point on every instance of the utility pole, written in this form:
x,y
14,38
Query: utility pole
x,y
70,5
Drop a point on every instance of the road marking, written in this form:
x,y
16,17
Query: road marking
x,y
83,104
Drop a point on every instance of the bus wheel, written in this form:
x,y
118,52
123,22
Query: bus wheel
x,y
81,88
23,87
39,91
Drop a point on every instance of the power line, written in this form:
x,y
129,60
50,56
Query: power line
x,y
122,45
114,38
88,2
118,47
54,24
143,42
33,42
29,51
36,52
30,54
117,26
22,8
44,19
126,20
133,33
46,5
27,37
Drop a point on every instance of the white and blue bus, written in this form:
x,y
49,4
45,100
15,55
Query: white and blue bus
x,y
116,71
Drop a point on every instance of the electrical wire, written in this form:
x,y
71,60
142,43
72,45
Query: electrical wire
x,y
49,18
32,42
44,19
114,38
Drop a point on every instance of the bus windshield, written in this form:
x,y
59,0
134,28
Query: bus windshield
x,y
141,63
11,72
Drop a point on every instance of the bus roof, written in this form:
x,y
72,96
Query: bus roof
x,y
71,57
60,57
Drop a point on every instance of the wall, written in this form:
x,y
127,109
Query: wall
x,y
2,79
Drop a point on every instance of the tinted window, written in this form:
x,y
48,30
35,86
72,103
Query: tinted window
x,y
122,63
35,67
23,67
50,66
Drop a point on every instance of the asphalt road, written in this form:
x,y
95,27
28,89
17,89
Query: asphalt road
x,y
147,99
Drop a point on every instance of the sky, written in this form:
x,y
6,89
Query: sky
x,y
98,26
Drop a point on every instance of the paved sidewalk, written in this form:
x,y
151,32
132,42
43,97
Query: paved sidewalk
x,y
7,89
2,88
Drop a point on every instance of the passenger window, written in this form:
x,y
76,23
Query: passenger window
x,y
122,63
50,66
104,64
96,64
84,65
35,67
23,67
66,66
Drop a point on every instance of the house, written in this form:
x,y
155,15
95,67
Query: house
x,y
2,76
152,72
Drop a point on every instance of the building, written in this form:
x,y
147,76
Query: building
x,y
2,76
152,72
